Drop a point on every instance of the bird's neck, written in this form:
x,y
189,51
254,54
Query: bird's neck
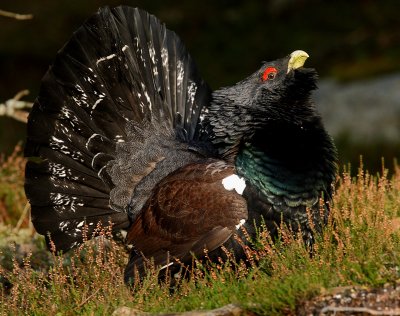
x,y
290,159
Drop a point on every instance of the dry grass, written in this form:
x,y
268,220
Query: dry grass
x,y
359,246
12,196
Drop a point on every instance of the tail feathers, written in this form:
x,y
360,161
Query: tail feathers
x,y
121,70
68,170
65,184
62,204
172,87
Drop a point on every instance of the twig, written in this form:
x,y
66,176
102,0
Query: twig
x,y
13,107
332,309
16,16
88,298
23,215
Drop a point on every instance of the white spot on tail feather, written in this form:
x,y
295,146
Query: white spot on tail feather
x,y
154,60
152,53
58,170
164,57
96,103
56,140
89,139
105,58
101,169
89,79
146,95
180,76
63,225
119,139
234,182
59,145
192,88
94,158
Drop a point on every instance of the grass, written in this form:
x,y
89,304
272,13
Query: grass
x,y
359,246
12,197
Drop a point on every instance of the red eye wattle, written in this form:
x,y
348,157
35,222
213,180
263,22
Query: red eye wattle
x,y
269,73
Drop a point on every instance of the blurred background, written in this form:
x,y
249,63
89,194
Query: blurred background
x,y
354,45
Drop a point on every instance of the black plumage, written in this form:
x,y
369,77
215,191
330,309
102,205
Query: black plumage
x,y
129,133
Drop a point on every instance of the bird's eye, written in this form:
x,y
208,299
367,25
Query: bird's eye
x,y
269,74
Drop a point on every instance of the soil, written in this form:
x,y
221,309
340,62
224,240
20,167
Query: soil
x,y
355,301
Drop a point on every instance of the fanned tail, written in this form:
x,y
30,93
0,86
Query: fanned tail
x,y
122,75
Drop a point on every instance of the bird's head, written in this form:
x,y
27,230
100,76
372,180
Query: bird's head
x,y
275,100
282,88
279,91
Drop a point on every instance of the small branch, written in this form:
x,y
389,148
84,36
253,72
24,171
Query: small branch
x,y
13,107
23,215
88,298
364,310
21,94
16,16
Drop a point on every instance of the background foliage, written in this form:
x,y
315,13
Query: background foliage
x,y
346,40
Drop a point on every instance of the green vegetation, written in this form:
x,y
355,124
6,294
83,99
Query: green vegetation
x,y
359,246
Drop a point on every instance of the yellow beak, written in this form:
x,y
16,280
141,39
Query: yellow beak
x,y
297,59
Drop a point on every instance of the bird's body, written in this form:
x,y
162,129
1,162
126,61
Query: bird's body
x,y
129,133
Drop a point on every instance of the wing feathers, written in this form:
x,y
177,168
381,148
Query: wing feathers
x,y
188,211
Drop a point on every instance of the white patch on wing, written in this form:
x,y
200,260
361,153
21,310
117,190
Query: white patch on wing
x,y
125,48
234,182
241,223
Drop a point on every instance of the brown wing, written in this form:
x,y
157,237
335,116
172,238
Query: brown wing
x,y
189,210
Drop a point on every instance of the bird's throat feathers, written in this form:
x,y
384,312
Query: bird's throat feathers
x,y
254,103
274,134
281,161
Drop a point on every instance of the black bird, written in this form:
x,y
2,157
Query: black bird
x,y
128,132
